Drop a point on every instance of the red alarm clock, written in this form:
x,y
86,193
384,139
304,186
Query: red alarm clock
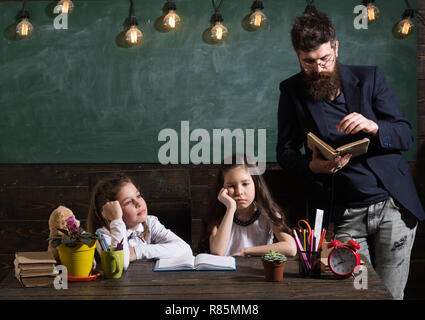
x,y
344,258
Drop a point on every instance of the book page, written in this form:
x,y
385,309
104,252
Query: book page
x,y
356,148
325,150
175,263
34,257
211,261
26,274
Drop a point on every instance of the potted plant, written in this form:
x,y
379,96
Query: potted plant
x,y
274,265
76,248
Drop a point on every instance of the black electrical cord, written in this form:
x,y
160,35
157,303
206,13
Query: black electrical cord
x,y
419,15
310,8
170,5
133,20
217,8
24,12
257,4
217,15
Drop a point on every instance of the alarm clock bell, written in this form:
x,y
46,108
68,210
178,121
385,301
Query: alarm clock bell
x,y
344,258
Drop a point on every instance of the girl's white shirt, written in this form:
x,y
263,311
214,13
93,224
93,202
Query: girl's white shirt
x,y
258,233
161,242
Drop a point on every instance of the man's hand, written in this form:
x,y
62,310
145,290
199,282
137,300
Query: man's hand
x,y
355,122
320,165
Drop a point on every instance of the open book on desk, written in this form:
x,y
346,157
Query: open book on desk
x,y
356,148
202,261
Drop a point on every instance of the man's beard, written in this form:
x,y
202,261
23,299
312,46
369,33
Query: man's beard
x,y
322,86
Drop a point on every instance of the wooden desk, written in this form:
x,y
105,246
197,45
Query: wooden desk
x,y
247,283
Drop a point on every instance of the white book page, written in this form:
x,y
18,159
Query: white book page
x,y
174,263
212,261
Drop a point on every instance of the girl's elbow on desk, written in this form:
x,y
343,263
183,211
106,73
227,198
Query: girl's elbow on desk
x,y
292,248
286,244
292,252
287,247
217,253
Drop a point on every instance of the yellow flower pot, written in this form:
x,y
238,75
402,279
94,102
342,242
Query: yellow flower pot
x,y
78,260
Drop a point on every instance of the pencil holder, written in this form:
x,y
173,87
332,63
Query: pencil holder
x,y
309,263
112,263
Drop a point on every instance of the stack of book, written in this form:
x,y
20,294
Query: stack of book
x,y
35,269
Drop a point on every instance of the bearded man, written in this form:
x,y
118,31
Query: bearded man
x,y
370,198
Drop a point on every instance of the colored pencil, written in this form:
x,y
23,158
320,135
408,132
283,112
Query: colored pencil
x,y
300,248
104,244
322,238
119,246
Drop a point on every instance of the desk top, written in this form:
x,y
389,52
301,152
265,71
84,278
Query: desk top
x,y
246,283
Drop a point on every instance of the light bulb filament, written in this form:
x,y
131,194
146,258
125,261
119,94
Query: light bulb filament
x,y
219,33
24,29
405,29
172,22
133,36
371,14
65,7
257,21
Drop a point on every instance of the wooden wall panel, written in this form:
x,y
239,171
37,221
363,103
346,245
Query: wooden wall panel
x,y
30,203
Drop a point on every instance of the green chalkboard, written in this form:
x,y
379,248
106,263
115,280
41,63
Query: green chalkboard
x,y
78,96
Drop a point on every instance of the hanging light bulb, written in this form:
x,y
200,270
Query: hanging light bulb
x,y
372,11
405,26
67,6
24,28
133,36
218,32
257,19
172,19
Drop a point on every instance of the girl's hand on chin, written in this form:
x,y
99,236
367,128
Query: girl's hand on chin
x,y
112,211
225,199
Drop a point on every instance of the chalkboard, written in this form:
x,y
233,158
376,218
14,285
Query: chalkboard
x,y
78,96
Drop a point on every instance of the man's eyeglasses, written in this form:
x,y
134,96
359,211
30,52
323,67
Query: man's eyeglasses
x,y
323,63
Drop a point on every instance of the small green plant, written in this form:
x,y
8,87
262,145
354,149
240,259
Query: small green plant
x,y
73,236
274,256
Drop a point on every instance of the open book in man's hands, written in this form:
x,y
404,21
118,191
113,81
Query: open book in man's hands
x,y
202,261
356,148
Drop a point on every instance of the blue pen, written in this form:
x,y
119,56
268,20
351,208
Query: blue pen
x,y
103,242
100,241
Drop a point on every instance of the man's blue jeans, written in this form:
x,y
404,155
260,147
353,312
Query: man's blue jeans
x,y
386,234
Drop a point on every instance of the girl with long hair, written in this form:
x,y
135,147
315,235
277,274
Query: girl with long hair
x,y
119,212
243,219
